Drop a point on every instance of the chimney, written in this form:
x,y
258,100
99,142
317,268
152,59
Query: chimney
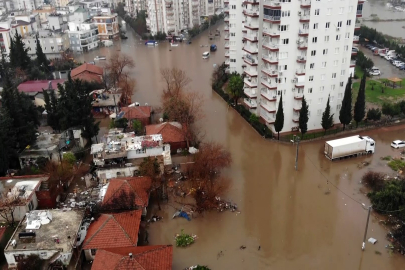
x,y
130,256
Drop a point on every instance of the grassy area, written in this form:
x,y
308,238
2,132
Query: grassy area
x,y
376,96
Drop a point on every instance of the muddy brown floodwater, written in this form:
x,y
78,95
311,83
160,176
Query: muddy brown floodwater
x,y
297,218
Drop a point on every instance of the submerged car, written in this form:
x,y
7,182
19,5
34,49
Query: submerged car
x,y
398,144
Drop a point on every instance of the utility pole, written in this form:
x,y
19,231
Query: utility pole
x,y
297,140
365,232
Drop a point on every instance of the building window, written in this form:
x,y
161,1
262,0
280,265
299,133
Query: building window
x,y
314,39
309,90
93,252
325,51
327,25
313,53
317,12
311,78
311,66
333,75
315,25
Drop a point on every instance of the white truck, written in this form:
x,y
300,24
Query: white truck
x,y
352,146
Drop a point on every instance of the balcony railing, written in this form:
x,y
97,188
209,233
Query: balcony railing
x,y
251,93
250,60
251,103
268,107
251,38
272,18
298,95
305,3
269,85
303,32
304,18
271,59
269,95
270,72
250,49
356,38
352,63
300,71
267,118
359,12
251,72
271,33
271,46
301,59
272,3
250,82
251,12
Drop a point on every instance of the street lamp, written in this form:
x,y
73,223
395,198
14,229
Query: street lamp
x,y
296,139
363,246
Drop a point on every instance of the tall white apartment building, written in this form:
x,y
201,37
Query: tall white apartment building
x,y
209,7
172,16
292,48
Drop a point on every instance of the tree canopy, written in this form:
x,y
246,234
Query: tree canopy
x,y
235,87
41,60
18,53
360,105
279,123
327,118
345,114
303,119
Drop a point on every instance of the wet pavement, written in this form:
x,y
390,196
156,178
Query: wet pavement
x,y
387,69
301,219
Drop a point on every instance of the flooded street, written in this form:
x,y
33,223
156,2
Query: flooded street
x,y
298,218
379,8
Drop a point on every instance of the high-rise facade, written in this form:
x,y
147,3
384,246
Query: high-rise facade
x,y
292,48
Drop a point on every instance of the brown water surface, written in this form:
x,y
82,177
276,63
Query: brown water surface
x,y
298,218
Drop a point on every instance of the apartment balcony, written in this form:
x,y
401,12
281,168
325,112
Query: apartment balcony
x,y
297,107
226,37
227,54
225,2
226,9
271,33
301,59
250,60
226,45
300,72
252,83
357,26
361,1
251,38
272,19
298,96
271,46
227,62
251,93
305,3
359,13
354,53
296,118
251,103
251,49
252,2
251,12
303,32
226,18
269,95
303,46
356,39
352,64
270,108
252,25
270,72
226,28
252,72
305,18
272,4
270,59
227,70
269,85
267,118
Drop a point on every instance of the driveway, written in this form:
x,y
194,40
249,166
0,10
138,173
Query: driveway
x,y
386,68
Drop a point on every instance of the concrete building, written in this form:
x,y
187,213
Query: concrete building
x,y
57,22
34,89
132,6
26,5
5,37
25,24
50,234
83,37
51,42
209,7
20,190
282,57
173,16
233,42
61,3
44,12
107,26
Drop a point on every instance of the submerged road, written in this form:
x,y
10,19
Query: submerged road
x,y
306,219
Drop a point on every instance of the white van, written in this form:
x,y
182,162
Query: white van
x,y
375,71
205,55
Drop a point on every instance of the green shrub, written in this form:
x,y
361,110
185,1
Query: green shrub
x,y
374,180
396,164
373,114
390,198
184,240
69,157
386,158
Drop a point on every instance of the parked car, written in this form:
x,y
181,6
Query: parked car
x,y
400,65
398,144
355,49
395,62
374,71
388,58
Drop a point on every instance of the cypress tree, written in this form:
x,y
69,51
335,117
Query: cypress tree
x,y
360,105
345,114
303,120
279,123
18,53
327,118
42,61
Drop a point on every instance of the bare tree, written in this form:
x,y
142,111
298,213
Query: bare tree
x,y
127,86
8,204
150,167
59,174
205,175
181,104
124,200
30,262
116,66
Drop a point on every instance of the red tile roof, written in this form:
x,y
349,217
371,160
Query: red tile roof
x,y
140,186
113,230
38,86
137,112
170,132
143,258
86,67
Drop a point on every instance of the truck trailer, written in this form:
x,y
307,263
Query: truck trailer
x,y
352,146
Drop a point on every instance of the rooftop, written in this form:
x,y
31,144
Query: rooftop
x,y
135,112
45,143
147,258
170,131
87,67
139,186
113,230
105,99
38,86
54,229
21,186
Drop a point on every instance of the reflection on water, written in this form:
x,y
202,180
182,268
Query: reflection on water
x,y
298,218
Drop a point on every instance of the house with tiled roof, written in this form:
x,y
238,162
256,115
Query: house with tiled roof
x,y
115,230
171,132
141,113
88,72
127,193
145,258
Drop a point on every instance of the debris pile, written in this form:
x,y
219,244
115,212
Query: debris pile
x,y
224,205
